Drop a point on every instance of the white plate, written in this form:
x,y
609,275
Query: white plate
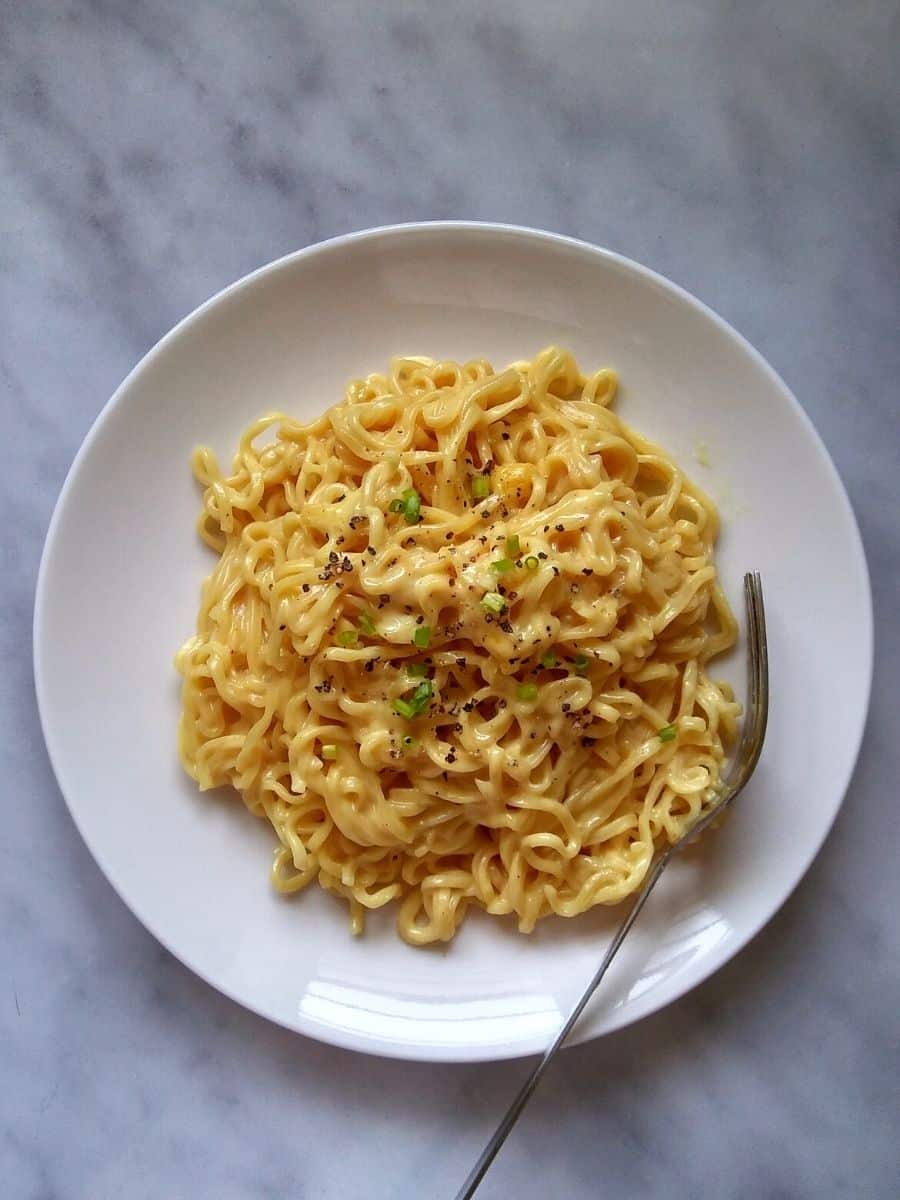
x,y
119,586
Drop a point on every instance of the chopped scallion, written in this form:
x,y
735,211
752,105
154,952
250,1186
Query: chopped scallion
x,y
417,703
329,751
367,625
422,636
493,602
408,742
347,638
502,565
512,545
548,660
416,670
527,691
531,563
481,486
412,506
668,733
580,662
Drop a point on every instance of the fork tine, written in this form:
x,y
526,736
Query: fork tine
x,y
756,719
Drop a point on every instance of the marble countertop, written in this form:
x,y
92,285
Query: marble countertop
x,y
153,152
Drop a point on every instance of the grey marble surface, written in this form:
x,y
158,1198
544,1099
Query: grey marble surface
x,y
152,152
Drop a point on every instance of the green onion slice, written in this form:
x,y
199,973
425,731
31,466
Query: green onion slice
x,y
422,636
417,703
481,486
347,637
531,563
412,506
416,670
548,660
502,565
668,733
329,751
527,691
493,602
512,545
366,624
409,503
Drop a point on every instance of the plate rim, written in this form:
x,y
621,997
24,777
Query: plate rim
x,y
621,1017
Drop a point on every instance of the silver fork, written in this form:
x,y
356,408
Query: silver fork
x,y
742,768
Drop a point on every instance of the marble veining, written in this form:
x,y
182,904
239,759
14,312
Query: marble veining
x,y
150,153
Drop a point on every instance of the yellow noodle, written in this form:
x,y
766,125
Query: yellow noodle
x,y
489,796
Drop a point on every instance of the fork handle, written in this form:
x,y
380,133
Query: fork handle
x,y
489,1153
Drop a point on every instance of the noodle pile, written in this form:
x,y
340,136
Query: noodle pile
x,y
454,646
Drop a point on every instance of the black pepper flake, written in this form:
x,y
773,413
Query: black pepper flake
x,y
449,535
457,728
468,706
546,529
512,596
460,662
282,627
371,550
343,496
305,587
559,528
333,557
506,626
587,570
556,570
384,598
488,618
370,665
346,565
505,436
451,758
566,707
419,619
542,554
501,704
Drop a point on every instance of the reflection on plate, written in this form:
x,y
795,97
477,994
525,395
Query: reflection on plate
x,y
118,587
